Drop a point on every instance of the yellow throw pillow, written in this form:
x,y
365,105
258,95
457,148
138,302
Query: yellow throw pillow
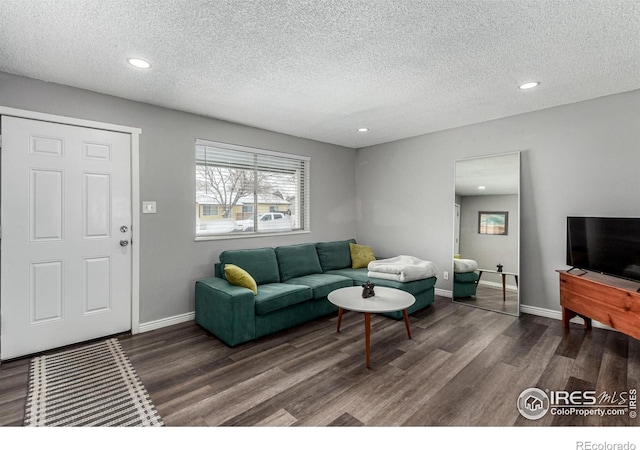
x,y
240,277
361,255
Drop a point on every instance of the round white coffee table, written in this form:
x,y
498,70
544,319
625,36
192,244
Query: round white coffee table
x,y
385,300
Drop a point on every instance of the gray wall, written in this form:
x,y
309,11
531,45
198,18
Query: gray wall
x,y
578,159
489,250
170,259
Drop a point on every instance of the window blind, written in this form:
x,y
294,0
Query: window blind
x,y
235,177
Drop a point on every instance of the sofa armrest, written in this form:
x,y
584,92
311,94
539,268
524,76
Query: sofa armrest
x,y
225,310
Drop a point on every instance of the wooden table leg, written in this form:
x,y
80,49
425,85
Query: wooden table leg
x,y
587,322
406,322
367,338
568,314
504,287
339,319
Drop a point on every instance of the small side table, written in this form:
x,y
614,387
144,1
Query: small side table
x,y
504,278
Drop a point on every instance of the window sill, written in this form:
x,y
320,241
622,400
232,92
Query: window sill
x,y
221,237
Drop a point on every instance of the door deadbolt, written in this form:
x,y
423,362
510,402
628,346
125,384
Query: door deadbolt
x,y
124,228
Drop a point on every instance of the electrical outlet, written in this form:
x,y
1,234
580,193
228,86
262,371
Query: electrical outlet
x,y
446,275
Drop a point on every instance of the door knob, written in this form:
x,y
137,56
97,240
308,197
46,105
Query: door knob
x,y
124,243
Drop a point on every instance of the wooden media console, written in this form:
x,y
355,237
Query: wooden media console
x,y
612,301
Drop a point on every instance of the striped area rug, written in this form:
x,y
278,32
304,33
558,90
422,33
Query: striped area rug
x,y
94,385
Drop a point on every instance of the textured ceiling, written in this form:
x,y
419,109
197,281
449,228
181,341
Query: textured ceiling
x,y
321,69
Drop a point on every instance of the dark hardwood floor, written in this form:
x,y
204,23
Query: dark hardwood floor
x,y
489,297
463,367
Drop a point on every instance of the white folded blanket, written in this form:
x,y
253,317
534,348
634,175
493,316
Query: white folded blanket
x,y
464,265
402,268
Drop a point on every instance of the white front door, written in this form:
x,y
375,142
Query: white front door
x,y
65,260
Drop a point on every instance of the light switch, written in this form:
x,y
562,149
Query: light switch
x,y
148,207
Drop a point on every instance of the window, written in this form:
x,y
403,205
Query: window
x,y
252,191
209,210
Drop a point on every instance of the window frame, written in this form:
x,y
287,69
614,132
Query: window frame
x,y
302,187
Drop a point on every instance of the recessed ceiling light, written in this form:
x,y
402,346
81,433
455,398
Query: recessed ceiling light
x,y
139,63
482,187
363,130
529,85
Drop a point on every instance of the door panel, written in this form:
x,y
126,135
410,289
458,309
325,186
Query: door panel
x,y
65,278
46,208
97,201
45,291
97,284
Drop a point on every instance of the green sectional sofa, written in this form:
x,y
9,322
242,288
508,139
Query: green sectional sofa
x,y
293,283
465,284
465,277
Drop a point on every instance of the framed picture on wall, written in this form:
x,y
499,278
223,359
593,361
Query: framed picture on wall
x,y
493,222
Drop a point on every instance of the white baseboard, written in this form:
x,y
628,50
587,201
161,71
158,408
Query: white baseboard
x,y
553,314
526,309
186,317
166,322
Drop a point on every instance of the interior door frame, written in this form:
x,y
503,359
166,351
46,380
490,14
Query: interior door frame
x,y
134,133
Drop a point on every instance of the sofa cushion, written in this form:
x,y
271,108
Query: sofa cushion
x,y
467,277
335,254
361,255
360,276
261,263
297,260
322,283
240,277
357,276
274,296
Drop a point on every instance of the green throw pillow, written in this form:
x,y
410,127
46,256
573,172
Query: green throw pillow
x,y
240,277
361,255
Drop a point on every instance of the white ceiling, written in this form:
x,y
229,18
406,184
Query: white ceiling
x,y
499,174
321,69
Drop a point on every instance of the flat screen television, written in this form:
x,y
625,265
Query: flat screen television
x,y
608,245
